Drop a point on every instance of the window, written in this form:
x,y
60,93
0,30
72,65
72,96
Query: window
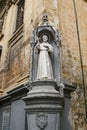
x,y
20,14
2,13
2,5
6,119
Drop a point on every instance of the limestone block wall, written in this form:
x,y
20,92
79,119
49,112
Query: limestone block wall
x,y
71,64
70,48
8,28
52,11
15,58
33,13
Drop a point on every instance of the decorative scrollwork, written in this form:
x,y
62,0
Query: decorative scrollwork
x,y
41,120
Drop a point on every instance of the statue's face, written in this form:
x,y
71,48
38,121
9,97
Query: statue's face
x,y
45,38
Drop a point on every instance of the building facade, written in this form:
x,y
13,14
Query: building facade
x,y
17,20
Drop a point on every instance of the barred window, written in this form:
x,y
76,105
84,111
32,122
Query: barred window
x,y
20,13
2,5
6,119
2,13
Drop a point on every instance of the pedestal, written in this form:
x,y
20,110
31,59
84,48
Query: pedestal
x,y
43,106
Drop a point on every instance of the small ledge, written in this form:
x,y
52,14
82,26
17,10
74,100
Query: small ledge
x,y
68,89
5,99
23,78
15,93
18,34
18,90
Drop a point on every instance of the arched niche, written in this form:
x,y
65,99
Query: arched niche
x,y
54,40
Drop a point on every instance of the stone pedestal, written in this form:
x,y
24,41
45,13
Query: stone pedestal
x,y
43,106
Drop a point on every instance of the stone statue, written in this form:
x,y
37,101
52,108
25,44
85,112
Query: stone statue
x,y
44,70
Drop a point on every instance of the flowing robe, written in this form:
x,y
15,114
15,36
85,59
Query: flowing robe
x,y
44,62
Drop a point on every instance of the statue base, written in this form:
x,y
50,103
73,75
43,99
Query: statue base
x,y
43,106
42,88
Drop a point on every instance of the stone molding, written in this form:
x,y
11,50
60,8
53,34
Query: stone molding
x,y
17,34
15,93
47,108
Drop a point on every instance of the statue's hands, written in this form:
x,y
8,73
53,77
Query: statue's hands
x,y
49,47
45,45
38,46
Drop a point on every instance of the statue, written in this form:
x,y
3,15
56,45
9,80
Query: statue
x,y
44,70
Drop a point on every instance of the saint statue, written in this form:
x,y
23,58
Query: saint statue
x,y
44,70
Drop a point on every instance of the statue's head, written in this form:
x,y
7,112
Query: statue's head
x,y
45,38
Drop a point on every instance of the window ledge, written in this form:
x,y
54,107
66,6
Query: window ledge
x,y
16,35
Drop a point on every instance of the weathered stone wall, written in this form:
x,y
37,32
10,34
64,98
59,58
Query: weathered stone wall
x,y
16,53
70,47
71,63
8,28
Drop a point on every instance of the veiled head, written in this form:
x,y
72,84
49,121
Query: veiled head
x,y
45,38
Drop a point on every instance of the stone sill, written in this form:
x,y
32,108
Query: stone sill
x,y
23,78
18,34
